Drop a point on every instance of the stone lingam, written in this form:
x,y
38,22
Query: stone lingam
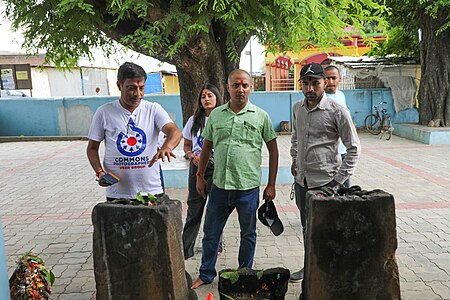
x,y
138,251
350,246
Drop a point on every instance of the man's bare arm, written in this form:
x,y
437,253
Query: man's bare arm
x,y
270,192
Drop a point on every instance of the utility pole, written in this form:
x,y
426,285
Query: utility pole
x,y
251,63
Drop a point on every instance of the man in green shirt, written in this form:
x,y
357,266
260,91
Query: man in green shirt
x,y
237,130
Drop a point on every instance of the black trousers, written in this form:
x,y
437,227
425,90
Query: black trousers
x,y
196,205
300,199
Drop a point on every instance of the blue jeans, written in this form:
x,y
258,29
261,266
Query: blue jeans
x,y
220,205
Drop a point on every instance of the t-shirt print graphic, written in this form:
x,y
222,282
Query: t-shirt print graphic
x,y
200,141
133,142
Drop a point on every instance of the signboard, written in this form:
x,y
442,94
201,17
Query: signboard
x,y
8,82
21,75
15,77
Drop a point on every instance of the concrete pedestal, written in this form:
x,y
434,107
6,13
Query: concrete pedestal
x,y
138,252
350,247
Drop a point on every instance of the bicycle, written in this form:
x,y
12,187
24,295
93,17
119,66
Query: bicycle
x,y
376,123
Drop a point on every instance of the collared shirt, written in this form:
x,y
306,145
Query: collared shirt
x,y
315,140
237,140
339,97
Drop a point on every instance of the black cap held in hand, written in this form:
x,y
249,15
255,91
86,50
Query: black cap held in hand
x,y
268,215
312,70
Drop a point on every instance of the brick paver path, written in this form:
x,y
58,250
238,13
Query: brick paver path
x,y
48,192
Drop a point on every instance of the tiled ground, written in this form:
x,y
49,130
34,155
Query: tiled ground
x,y
48,192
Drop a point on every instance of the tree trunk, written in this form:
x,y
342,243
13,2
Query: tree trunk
x,y
434,90
205,60
202,61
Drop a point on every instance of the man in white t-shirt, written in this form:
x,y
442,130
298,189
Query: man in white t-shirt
x,y
130,128
331,89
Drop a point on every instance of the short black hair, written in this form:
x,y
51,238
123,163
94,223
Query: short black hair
x,y
333,67
130,70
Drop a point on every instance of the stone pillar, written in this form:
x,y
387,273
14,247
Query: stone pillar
x,y
297,68
284,74
138,251
350,247
273,77
268,76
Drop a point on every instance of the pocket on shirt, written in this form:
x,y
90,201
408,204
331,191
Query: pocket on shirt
x,y
250,131
223,132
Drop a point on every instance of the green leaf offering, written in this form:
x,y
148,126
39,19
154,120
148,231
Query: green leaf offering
x,y
145,198
260,274
233,276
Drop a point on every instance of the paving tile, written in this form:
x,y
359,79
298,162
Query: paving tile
x,y
40,212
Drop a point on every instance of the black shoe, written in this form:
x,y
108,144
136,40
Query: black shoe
x,y
296,276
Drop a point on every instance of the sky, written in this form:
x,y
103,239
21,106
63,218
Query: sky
x,y
11,42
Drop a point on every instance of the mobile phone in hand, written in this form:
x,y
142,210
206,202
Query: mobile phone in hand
x,y
109,179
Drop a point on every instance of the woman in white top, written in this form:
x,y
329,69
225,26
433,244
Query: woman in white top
x,y
208,99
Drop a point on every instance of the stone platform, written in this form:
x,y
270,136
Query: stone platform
x,y
423,134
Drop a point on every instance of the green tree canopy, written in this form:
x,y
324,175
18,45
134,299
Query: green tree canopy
x,y
431,21
203,39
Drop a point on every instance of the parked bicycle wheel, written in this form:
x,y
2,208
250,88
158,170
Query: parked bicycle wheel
x,y
388,128
372,124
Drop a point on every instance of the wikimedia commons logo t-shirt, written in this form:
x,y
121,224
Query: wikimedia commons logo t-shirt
x,y
130,143
133,142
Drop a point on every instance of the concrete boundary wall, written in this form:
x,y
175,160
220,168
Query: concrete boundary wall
x,y
71,116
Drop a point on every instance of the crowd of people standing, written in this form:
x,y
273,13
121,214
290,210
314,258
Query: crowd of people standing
x,y
216,137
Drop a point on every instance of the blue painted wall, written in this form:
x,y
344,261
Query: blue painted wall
x,y
361,102
71,116
277,104
29,116
172,104
153,83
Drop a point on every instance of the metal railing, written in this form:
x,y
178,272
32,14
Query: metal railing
x,y
282,84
